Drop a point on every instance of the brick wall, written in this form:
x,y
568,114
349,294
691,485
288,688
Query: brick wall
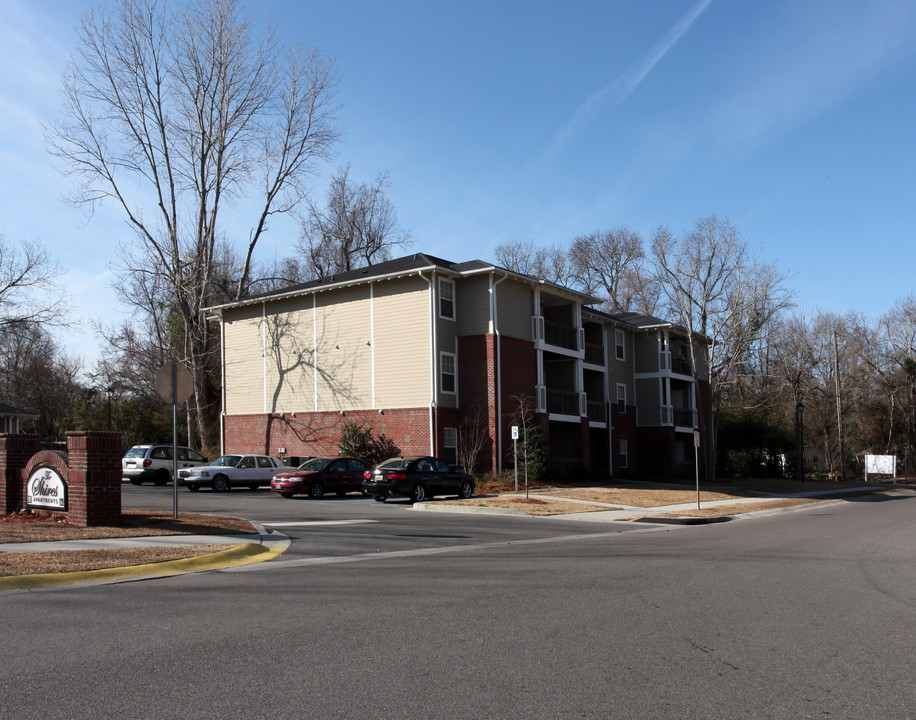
x,y
317,433
15,451
94,491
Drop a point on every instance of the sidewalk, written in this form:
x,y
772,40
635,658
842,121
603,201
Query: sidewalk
x,y
243,550
648,514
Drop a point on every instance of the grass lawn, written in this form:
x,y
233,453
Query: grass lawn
x,y
27,527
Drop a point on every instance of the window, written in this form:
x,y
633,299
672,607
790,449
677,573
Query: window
x,y
247,462
264,462
624,458
450,446
618,343
621,398
447,299
447,371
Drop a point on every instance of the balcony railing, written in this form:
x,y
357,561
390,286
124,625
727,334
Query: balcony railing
x,y
596,411
594,354
685,417
563,403
562,336
681,366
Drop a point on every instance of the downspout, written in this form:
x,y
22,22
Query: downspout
x,y
264,352
433,401
315,351
372,339
494,320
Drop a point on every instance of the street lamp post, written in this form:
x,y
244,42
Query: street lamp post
x,y
799,440
108,391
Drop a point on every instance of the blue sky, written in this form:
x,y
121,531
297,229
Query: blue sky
x,y
540,121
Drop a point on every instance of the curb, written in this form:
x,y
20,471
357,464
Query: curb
x,y
245,554
270,545
470,509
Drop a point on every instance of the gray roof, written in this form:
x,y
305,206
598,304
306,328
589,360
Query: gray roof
x,y
10,410
401,266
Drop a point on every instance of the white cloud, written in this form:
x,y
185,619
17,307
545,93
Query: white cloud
x,y
618,90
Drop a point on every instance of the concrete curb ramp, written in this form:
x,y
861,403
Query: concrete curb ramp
x,y
244,554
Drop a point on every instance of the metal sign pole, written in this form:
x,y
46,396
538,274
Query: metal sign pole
x,y
515,453
696,462
174,440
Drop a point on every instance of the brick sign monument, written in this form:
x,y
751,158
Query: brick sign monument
x,y
83,484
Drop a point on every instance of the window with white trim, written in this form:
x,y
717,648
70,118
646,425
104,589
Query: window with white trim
x,y
446,299
621,398
624,455
450,445
448,380
618,345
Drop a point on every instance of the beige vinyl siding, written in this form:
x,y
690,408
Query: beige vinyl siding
x,y
402,343
289,355
515,306
244,363
344,359
473,305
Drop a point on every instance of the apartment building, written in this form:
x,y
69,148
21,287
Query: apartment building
x,y
414,347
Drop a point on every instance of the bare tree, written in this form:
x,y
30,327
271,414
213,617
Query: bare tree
x,y
724,298
358,227
473,437
550,263
28,290
173,115
606,265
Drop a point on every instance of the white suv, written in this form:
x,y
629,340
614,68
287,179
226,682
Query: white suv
x,y
154,462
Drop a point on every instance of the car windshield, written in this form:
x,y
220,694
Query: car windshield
x,y
228,460
138,451
314,464
395,464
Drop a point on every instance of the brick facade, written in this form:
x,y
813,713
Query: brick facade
x,y
317,433
15,452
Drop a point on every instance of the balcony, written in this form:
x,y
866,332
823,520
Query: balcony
x,y
562,336
594,354
596,411
560,402
685,417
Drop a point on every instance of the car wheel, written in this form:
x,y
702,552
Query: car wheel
x,y
161,478
220,483
286,495
467,489
418,494
316,491
193,488
378,498
136,481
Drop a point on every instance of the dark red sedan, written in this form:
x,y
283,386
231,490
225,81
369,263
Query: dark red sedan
x,y
318,475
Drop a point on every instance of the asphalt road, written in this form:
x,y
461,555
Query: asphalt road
x,y
393,613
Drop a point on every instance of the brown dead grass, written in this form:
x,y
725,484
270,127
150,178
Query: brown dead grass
x,y
643,497
58,561
23,528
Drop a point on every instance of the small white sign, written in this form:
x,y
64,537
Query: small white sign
x,y
46,489
515,432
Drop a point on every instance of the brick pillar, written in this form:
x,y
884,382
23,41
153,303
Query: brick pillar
x,y
15,451
94,492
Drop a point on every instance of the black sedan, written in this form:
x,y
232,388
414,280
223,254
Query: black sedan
x,y
418,478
